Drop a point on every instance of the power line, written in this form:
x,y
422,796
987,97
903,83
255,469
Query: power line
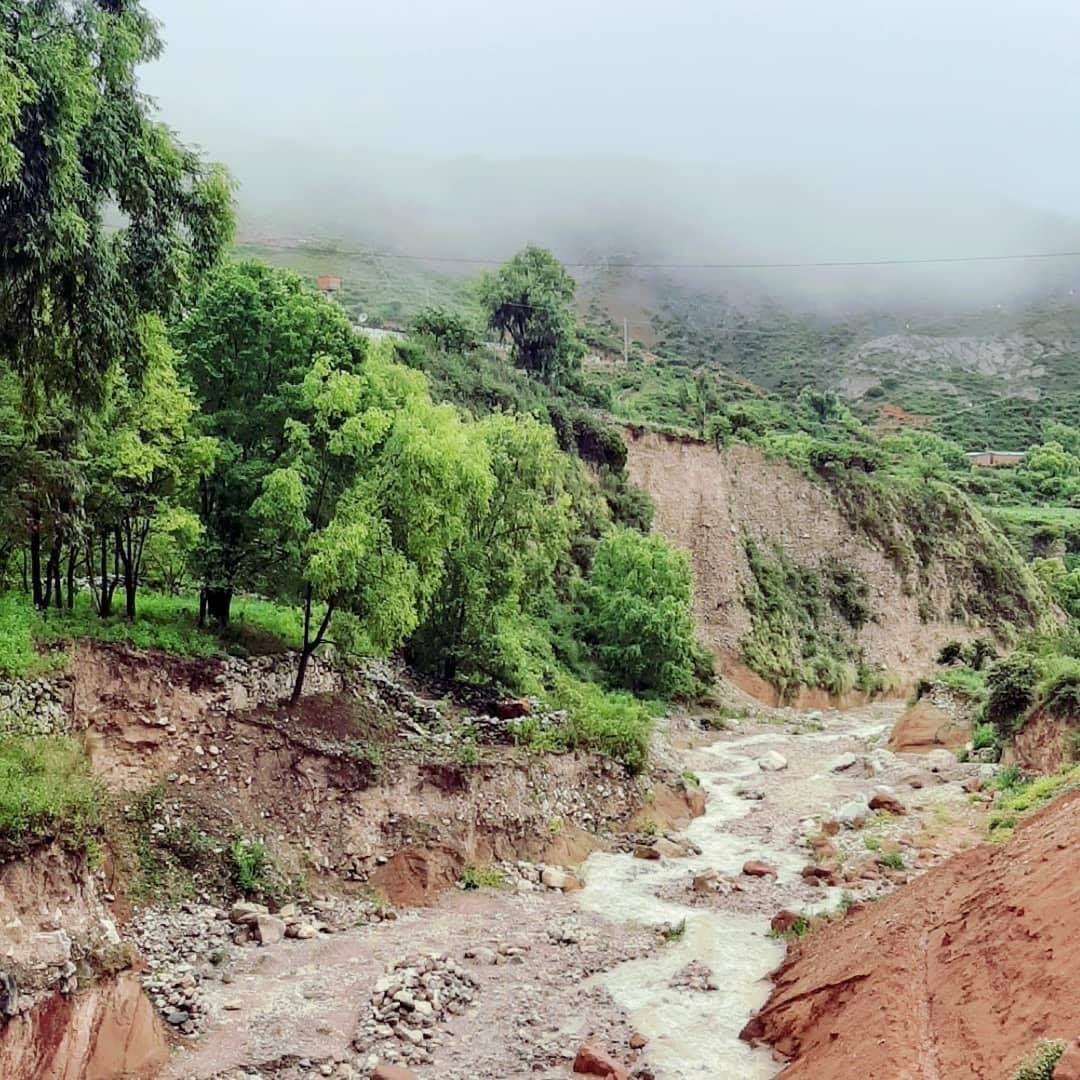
x,y
935,260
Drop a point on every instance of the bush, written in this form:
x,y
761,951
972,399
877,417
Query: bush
x,y
1039,1065
47,792
984,737
637,614
1059,691
252,871
616,725
963,680
18,622
1010,684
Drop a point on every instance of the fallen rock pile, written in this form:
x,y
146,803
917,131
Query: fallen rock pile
x,y
407,1005
695,976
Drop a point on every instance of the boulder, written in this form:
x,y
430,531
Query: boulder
x,y
590,1061
638,1041
853,814
843,762
392,1072
269,929
704,883
244,912
783,921
973,784
756,868
669,849
555,877
884,800
647,852
772,762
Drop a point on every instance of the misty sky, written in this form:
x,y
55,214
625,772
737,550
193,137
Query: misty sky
x,y
982,92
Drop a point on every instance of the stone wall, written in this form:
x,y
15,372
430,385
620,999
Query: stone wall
x,y
33,707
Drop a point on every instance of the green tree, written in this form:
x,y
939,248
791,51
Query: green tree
x,y
104,216
365,504
449,331
637,613
530,299
487,618
142,450
248,344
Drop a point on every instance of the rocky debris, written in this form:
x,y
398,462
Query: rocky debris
x,y
32,707
409,1002
591,1061
756,868
695,976
750,793
885,800
773,761
707,882
853,814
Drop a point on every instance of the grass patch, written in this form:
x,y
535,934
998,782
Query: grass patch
x,y
891,860
612,723
965,681
19,623
481,877
1023,796
676,932
47,792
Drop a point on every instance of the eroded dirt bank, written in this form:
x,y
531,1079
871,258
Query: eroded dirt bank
x,y
956,976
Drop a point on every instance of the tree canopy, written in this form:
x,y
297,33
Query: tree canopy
x,y
104,216
530,299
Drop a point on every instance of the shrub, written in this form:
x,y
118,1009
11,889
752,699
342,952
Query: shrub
x,y
964,681
47,792
984,737
481,877
1040,1063
637,614
251,870
950,653
1059,692
892,860
18,657
1010,684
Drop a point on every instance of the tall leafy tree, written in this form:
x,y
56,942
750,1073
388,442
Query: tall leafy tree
x,y
488,612
248,345
104,216
530,299
361,510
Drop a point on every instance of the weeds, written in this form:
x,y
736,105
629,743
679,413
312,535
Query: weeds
x,y
481,877
891,860
1040,1063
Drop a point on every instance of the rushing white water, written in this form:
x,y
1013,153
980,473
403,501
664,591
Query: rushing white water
x,y
695,1035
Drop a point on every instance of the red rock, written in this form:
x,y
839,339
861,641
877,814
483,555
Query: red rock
x,y
511,710
973,783
648,853
755,868
884,801
783,921
593,1062
392,1072
638,1041
811,872
830,827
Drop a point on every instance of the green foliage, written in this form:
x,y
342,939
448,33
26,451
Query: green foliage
x,y
637,614
891,860
481,877
1059,688
47,792
1040,1063
484,622
252,871
1010,685
965,681
611,723
530,300
78,139
984,737
18,622
449,331
801,622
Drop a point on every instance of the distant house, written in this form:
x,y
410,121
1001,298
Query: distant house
x,y
996,459
327,284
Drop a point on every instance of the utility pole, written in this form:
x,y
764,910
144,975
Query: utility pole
x,y
626,341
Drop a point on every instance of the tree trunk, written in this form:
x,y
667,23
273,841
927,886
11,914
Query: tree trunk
x,y
216,602
310,643
72,555
301,674
105,602
35,562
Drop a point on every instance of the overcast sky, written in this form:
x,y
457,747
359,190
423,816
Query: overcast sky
x,y
981,92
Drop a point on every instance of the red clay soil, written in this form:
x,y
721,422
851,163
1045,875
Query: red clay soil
x,y
958,975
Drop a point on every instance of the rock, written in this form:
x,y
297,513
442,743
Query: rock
x,y
852,814
940,760
973,784
706,882
51,948
638,1041
244,912
556,878
754,794
392,1072
844,761
883,800
783,921
511,710
772,762
482,955
756,868
269,929
830,827
177,1017
590,1061
648,853
669,849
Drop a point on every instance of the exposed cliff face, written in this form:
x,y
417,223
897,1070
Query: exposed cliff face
x,y
711,503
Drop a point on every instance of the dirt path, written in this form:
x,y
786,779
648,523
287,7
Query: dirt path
x,y
592,964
